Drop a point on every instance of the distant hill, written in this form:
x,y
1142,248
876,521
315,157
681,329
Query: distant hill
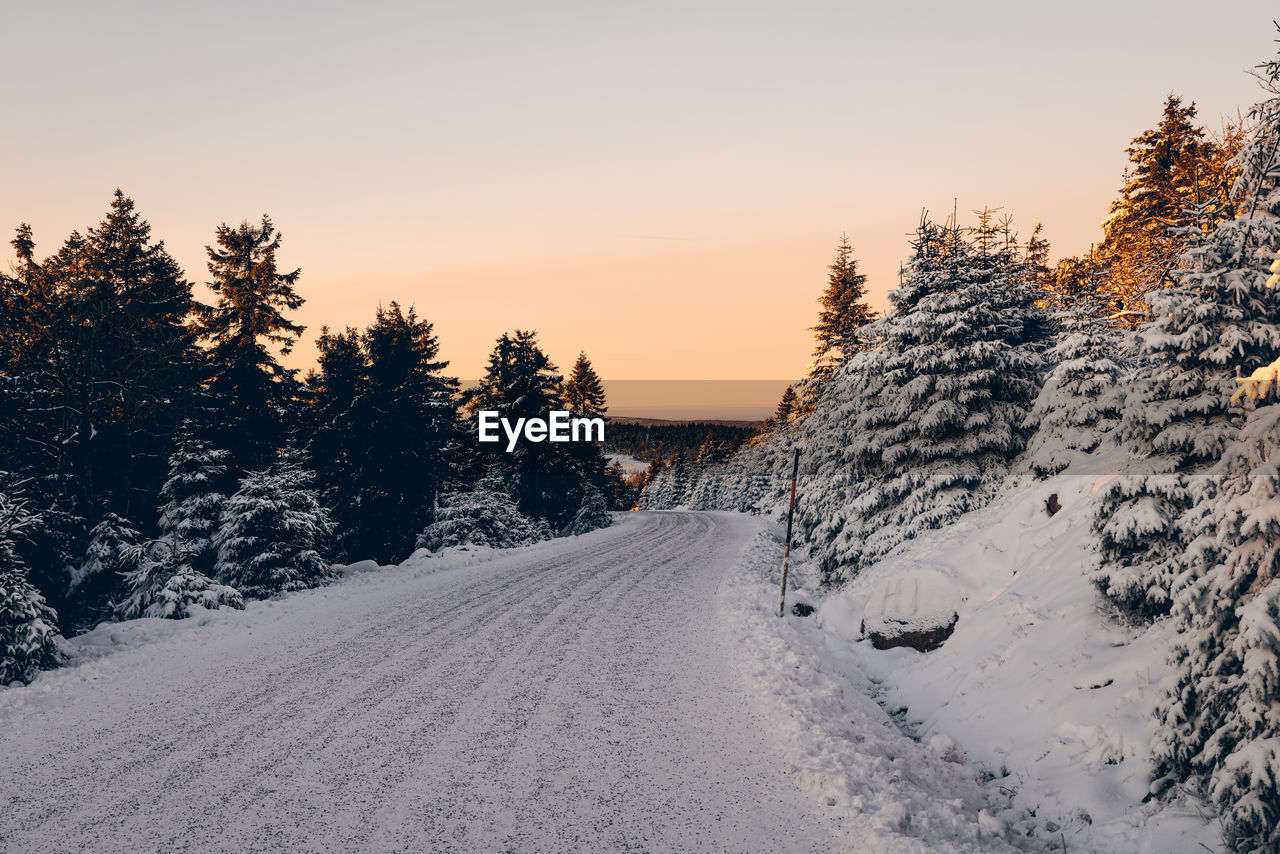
x,y
653,422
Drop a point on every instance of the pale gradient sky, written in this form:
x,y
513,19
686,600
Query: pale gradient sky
x,y
658,183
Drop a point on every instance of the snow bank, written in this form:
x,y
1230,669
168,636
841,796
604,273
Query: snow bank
x,y
1037,685
894,794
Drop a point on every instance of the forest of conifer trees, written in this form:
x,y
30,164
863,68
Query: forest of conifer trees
x,y
156,456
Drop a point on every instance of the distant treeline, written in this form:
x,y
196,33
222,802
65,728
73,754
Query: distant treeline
x,y
650,442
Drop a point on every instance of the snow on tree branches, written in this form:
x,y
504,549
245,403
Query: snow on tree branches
x,y
28,627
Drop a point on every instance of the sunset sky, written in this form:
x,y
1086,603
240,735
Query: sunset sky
x,y
660,184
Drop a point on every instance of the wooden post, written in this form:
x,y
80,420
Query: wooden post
x,y
786,555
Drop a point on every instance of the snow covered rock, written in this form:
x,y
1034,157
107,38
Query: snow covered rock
x,y
918,609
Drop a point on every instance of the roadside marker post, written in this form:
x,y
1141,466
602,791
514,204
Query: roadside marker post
x,y
786,556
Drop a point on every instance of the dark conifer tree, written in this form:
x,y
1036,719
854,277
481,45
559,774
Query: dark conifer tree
x,y
583,392
404,418
251,391
110,357
522,382
787,407
844,312
336,445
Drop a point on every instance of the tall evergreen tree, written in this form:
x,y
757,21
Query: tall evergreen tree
x,y
844,312
106,350
1220,713
405,419
1080,404
334,424
584,395
251,390
788,405
521,381
583,392
1177,186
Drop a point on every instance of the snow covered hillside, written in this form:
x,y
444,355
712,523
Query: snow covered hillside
x,y
1039,685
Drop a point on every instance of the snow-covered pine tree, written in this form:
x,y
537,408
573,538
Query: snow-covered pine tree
x,y
165,584
959,369
593,513
671,488
112,553
28,627
484,516
1220,712
834,465
1220,318
1174,169
273,531
169,576
192,500
1080,403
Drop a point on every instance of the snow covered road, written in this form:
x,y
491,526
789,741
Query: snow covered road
x,y
574,696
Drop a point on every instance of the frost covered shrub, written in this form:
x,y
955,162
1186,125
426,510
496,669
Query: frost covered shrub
x,y
1140,530
166,577
28,627
486,516
165,585
272,532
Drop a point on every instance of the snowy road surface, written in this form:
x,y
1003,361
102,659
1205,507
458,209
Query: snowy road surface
x,y
574,696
